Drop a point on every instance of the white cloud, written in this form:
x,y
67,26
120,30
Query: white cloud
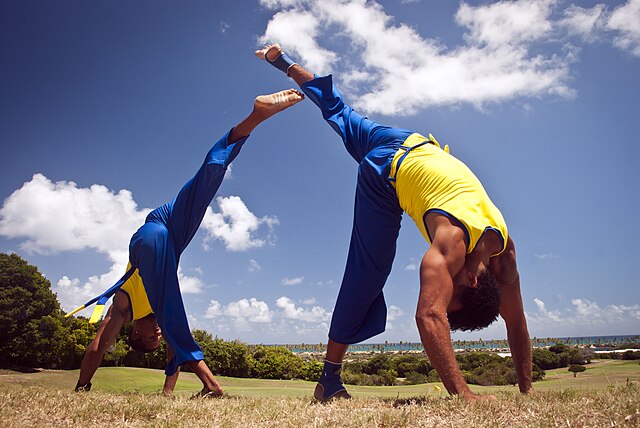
x,y
546,256
584,22
625,21
51,218
506,22
254,266
214,310
400,71
235,225
299,30
394,312
251,310
309,301
584,318
291,311
190,284
411,266
55,217
293,281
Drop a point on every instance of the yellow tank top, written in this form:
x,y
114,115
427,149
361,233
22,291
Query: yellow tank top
x,y
134,288
431,180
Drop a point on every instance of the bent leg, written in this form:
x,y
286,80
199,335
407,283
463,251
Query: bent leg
x,y
360,311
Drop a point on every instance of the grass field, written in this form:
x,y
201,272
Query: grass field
x,y
607,394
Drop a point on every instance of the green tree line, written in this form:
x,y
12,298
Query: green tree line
x,y
36,334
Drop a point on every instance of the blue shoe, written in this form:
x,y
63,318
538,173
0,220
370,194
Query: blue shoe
x,y
330,386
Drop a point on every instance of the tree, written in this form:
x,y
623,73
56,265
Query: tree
x,y
576,368
276,362
30,315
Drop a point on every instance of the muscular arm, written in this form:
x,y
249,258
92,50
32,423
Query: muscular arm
x,y
505,270
439,265
118,314
170,381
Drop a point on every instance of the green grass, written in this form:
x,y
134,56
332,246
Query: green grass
x,y
599,375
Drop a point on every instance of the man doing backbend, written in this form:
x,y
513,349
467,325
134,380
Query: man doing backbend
x,y
467,276
149,293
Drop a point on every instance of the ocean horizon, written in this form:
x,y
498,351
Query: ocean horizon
x,y
597,342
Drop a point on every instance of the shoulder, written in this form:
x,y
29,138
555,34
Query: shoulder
x,y
504,267
121,304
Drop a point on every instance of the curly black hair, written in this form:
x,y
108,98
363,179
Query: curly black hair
x,y
480,305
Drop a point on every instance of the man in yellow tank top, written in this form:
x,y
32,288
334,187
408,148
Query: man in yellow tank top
x,y
467,276
149,293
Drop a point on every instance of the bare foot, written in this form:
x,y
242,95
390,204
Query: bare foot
x,y
268,105
208,393
269,51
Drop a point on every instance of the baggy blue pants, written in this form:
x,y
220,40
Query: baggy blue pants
x,y
360,311
156,247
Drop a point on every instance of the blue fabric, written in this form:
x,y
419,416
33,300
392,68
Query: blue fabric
x,y
156,247
282,63
360,311
330,379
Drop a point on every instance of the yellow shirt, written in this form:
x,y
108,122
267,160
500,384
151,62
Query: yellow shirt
x,y
134,288
430,179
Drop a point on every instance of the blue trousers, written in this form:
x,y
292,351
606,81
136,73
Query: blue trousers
x,y
360,311
156,247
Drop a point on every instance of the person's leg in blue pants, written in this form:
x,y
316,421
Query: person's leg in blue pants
x,y
360,311
156,247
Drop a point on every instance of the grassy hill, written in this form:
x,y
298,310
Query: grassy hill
x,y
607,394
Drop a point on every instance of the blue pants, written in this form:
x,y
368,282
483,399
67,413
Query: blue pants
x,y
360,311
156,247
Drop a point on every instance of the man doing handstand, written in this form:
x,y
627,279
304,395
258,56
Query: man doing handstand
x,y
149,293
467,276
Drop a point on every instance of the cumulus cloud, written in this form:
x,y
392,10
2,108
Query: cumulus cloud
x,y
291,311
235,225
53,217
625,22
293,281
398,71
389,67
584,316
243,314
394,312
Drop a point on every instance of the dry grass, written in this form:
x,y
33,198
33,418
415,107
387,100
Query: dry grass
x,y
27,406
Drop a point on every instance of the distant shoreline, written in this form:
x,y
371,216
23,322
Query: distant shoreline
x,y
597,343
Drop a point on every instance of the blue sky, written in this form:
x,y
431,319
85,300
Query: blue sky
x,y
108,107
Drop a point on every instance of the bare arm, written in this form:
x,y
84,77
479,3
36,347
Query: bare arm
x,y
441,262
117,315
170,381
505,270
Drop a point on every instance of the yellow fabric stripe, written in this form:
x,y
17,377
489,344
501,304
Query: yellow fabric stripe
x,y
97,314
